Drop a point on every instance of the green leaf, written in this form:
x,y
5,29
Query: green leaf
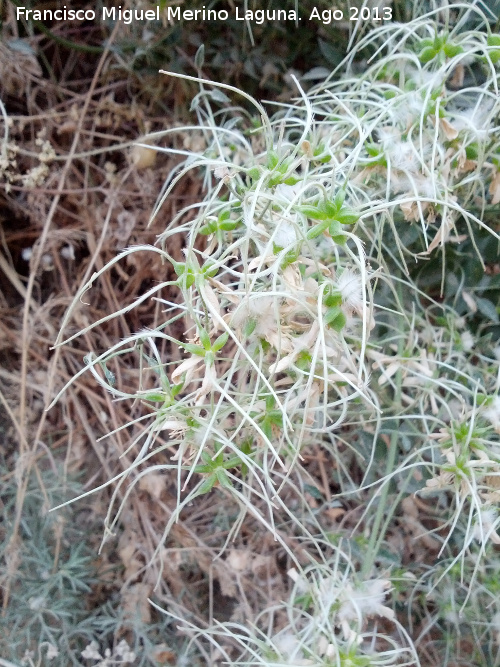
x,y
427,54
233,462
312,212
209,269
451,50
488,309
207,485
109,375
330,208
335,227
270,403
335,318
272,159
426,42
493,40
339,199
179,268
185,274
275,417
332,299
194,349
254,173
223,478
267,429
275,180
199,58
229,225
332,313
440,41
373,150
220,342
282,168
313,491
347,216
249,327
205,339
472,151
291,256
304,361
333,55
318,229
245,448
209,228
176,389
157,398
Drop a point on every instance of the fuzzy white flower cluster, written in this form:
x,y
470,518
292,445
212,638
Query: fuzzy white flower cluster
x,y
332,619
427,143
347,604
120,655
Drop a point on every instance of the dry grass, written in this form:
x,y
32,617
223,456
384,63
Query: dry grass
x,y
90,197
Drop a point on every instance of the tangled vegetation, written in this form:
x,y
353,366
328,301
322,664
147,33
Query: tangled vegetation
x,y
298,458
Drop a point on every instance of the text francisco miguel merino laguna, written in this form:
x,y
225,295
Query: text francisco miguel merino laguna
x,y
170,13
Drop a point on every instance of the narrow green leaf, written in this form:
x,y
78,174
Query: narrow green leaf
x,y
426,42
339,199
194,349
199,58
254,173
249,327
157,398
332,313
220,342
229,225
176,389
318,229
233,462
312,212
335,228
205,339
488,309
223,478
209,228
272,159
330,208
207,485
347,216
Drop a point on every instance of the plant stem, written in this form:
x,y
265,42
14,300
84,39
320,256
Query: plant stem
x,y
377,534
